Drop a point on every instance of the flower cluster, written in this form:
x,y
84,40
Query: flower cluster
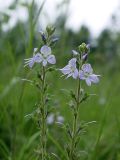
x,y
43,56
84,70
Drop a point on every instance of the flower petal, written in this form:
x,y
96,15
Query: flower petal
x,y
38,58
94,78
66,70
51,59
72,62
87,68
45,50
81,75
75,74
88,81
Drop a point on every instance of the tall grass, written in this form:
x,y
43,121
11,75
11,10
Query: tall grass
x,y
17,135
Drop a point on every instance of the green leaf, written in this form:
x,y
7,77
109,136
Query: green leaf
x,y
61,150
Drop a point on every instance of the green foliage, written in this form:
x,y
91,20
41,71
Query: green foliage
x,y
18,135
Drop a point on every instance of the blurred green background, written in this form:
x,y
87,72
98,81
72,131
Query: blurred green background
x,y
19,136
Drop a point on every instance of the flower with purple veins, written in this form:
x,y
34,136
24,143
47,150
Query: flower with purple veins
x,y
46,55
87,74
36,58
70,69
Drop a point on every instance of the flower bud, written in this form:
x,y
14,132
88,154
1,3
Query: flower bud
x,y
43,36
85,57
50,30
82,48
88,48
75,53
54,40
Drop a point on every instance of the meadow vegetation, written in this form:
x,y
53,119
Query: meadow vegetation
x,y
19,135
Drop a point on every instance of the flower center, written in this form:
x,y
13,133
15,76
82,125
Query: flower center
x,y
72,69
45,55
86,74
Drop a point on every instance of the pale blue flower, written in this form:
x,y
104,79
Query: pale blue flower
x,y
87,74
44,56
50,118
47,57
54,117
36,58
60,119
70,69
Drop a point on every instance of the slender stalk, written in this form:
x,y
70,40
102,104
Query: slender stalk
x,y
75,122
43,116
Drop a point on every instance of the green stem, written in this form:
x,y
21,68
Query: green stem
x,y
75,121
43,116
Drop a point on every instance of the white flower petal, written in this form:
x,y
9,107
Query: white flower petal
x,y
51,59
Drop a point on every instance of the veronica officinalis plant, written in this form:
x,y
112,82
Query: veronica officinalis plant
x,y
43,57
80,70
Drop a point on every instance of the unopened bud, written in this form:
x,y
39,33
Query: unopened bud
x,y
43,36
75,53
50,30
54,40
88,48
82,48
85,57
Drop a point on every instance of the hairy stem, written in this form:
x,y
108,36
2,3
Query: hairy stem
x,y
75,123
75,120
43,116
